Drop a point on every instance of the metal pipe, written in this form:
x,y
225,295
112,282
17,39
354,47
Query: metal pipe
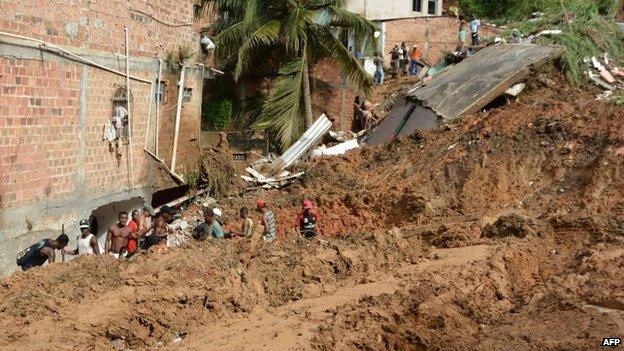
x,y
129,100
77,57
177,120
160,62
149,113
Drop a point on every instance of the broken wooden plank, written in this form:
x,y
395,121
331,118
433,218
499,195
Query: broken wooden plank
x,y
259,176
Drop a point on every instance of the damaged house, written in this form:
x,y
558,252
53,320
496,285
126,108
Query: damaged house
x,y
63,77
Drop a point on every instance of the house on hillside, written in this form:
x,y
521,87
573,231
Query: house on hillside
x,y
62,78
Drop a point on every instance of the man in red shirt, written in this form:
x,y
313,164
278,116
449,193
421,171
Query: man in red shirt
x,y
305,224
132,245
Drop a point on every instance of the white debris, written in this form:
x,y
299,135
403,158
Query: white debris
x,y
335,150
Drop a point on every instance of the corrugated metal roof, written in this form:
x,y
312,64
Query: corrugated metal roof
x,y
301,146
473,83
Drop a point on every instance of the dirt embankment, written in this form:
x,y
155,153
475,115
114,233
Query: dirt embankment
x,y
487,235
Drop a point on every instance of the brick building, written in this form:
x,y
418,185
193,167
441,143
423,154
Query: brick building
x,y
55,167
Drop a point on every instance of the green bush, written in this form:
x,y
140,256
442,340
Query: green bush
x,y
217,114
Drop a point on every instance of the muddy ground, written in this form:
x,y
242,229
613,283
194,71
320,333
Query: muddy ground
x,y
501,232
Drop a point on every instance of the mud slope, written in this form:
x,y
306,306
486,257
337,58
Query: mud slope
x,y
501,232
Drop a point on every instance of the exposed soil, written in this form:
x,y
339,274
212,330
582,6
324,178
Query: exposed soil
x,y
502,232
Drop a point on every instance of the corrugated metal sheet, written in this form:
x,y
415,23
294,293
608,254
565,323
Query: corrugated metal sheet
x,y
473,83
299,148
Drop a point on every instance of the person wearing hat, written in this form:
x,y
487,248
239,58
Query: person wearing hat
x,y
268,220
305,224
87,243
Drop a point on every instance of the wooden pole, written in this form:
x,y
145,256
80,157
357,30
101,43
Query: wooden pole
x,y
129,110
158,104
63,251
177,120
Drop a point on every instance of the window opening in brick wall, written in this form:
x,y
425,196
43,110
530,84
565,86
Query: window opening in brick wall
x,y
417,5
120,113
432,9
161,89
187,95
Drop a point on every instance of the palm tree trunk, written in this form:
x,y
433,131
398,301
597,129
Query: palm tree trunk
x,y
307,98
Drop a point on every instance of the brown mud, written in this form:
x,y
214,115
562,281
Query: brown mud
x,y
501,232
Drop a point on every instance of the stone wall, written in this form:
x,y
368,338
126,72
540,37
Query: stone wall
x,y
54,166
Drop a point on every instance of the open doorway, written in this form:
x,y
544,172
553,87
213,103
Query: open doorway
x,y
105,216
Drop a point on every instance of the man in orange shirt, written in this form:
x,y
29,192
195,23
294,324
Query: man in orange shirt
x,y
415,56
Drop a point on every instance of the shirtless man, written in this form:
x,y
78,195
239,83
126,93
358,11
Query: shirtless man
x,y
158,238
117,236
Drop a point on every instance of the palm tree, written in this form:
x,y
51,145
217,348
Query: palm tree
x,y
289,36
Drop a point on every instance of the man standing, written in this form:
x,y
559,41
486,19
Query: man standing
x,y
415,56
404,59
379,72
268,220
117,236
210,227
305,224
395,56
475,24
87,243
160,229
132,245
37,254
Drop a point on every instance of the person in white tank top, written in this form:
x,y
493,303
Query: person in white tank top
x,y
87,242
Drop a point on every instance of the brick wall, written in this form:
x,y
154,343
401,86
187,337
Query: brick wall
x,y
331,95
434,35
54,166
98,25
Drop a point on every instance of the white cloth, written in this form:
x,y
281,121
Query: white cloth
x,y
84,245
118,255
110,134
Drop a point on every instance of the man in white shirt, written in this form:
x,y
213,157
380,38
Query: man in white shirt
x,y
475,24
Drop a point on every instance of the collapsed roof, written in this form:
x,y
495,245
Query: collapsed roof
x,y
463,88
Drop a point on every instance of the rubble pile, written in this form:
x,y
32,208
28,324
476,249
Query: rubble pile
x,y
487,235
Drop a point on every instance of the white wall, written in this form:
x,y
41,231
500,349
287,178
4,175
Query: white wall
x,y
390,9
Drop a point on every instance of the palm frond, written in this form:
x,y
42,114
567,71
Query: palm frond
x,y
351,69
264,35
283,112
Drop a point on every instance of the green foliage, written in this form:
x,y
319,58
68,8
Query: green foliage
x,y
249,113
182,56
217,114
288,37
192,179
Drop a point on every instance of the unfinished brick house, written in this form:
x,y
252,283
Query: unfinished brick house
x,y
59,91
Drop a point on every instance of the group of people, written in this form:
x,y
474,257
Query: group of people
x,y
475,25
403,61
144,230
